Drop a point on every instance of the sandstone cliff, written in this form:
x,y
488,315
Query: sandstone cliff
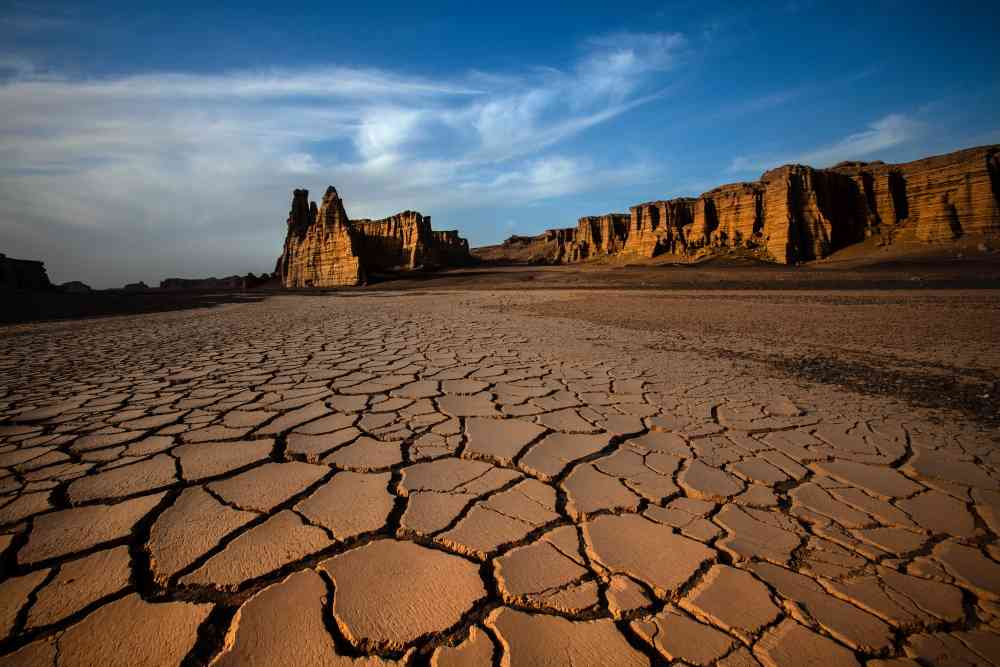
x,y
324,248
792,214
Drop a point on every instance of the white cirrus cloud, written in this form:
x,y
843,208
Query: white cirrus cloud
x,y
886,132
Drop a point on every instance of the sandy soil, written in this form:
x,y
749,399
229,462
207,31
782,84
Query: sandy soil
x,y
468,476
935,348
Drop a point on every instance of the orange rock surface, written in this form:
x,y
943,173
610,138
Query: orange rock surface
x,y
794,213
323,248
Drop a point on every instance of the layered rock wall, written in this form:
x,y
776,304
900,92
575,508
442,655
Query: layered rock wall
x,y
321,248
794,213
949,197
324,248
600,235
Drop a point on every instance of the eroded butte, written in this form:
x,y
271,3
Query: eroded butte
x,y
464,479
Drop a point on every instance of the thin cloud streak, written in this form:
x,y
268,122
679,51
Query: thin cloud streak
x,y
886,132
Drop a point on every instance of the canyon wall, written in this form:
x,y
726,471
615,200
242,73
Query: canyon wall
x,y
794,213
324,248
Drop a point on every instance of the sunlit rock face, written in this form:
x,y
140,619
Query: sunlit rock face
x,y
324,248
794,213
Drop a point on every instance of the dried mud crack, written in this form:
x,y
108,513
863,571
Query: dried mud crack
x,y
457,480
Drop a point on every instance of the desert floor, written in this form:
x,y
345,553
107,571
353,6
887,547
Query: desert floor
x,y
463,476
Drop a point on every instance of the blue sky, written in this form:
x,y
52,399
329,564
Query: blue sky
x,y
138,143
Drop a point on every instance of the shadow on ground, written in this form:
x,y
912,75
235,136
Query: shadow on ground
x,y
33,306
722,273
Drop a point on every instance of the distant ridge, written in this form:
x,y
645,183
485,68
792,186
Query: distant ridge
x,y
794,213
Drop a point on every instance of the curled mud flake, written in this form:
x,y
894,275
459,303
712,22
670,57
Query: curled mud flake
x,y
625,596
246,418
809,600
14,594
282,539
188,529
540,575
940,513
881,481
499,439
449,475
334,422
551,456
476,649
23,506
40,653
130,632
678,637
284,625
712,599
368,494
567,421
708,483
366,454
265,487
650,476
313,447
428,512
969,567
503,518
210,459
542,639
214,432
69,531
80,583
792,644
294,418
901,600
646,551
755,533
473,405
379,586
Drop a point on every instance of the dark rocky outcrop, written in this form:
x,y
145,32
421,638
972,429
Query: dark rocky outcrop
x,y
324,248
23,274
794,213
75,287
229,282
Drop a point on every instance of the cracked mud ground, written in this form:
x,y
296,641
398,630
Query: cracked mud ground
x,y
448,480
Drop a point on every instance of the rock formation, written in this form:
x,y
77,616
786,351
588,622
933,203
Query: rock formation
x,y
229,282
22,274
324,248
75,287
794,213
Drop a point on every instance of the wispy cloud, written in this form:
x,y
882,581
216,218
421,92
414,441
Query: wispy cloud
x,y
14,66
148,158
886,132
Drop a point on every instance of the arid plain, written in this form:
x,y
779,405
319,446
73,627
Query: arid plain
x,y
560,334
458,475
